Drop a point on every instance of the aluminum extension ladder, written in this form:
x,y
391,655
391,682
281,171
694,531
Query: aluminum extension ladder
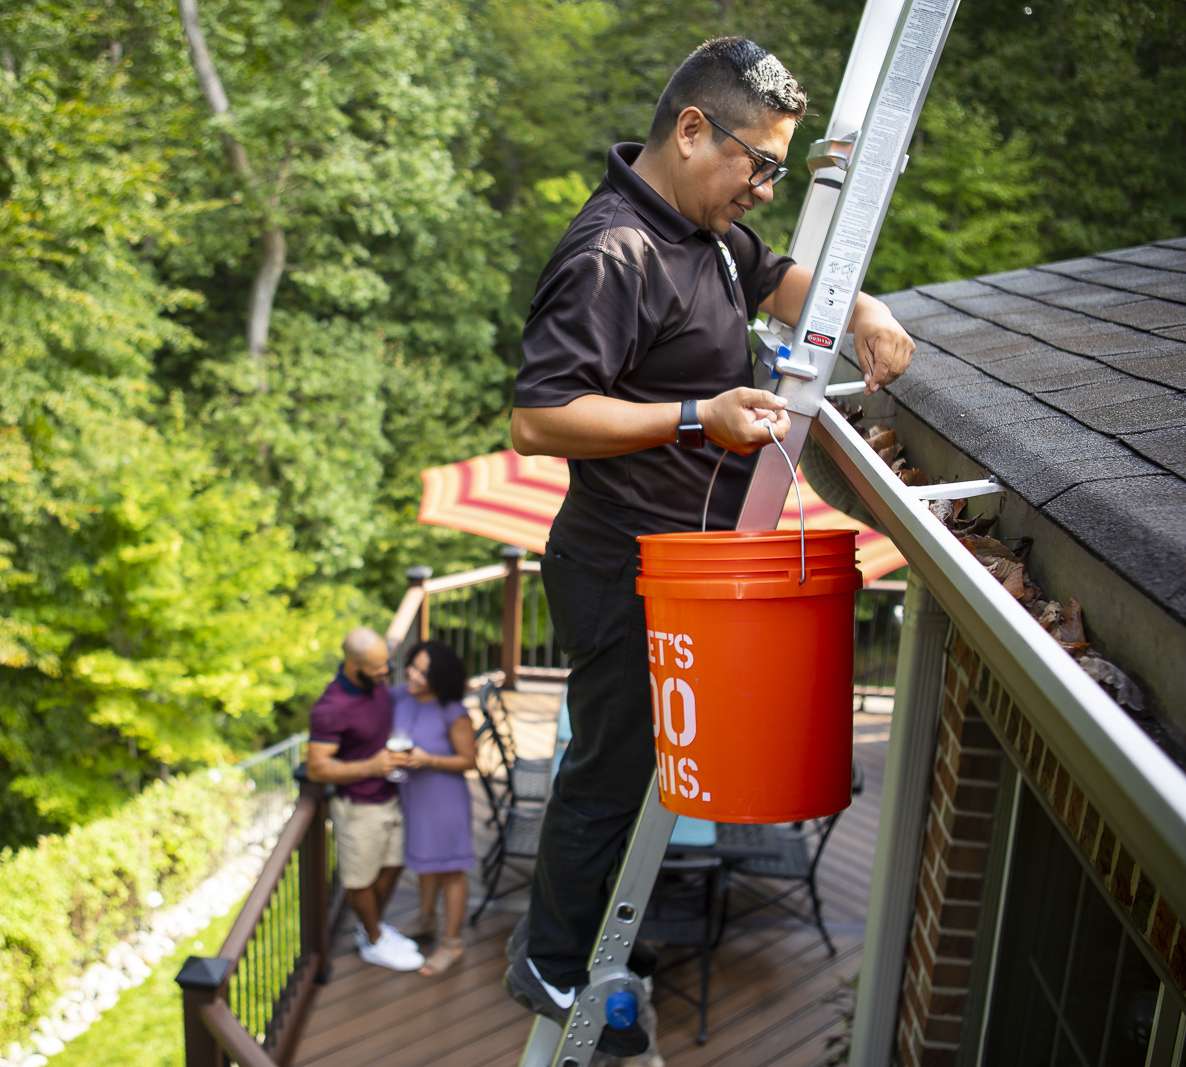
x,y
854,171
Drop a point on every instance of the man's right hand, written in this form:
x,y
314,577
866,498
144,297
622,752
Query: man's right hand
x,y
383,762
738,420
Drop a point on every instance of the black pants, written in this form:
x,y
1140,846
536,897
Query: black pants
x,y
607,767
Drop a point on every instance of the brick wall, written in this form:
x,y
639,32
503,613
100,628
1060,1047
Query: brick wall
x,y
967,770
980,726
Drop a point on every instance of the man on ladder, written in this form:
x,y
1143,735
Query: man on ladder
x,y
636,363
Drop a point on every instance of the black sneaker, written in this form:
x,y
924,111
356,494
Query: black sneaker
x,y
643,961
525,989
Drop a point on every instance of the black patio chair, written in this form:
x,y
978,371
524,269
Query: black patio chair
x,y
793,853
516,792
687,909
511,777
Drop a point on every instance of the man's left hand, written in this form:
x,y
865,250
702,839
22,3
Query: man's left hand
x,y
883,347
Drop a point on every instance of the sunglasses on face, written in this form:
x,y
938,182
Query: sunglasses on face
x,y
766,168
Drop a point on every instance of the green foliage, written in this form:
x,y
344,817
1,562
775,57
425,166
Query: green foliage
x,y
148,1017
69,899
967,204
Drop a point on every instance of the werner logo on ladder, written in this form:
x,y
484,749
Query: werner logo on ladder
x,y
638,327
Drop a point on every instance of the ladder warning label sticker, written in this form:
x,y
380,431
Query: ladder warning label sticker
x,y
820,340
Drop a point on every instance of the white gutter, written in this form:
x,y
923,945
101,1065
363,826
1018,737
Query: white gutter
x,y
1137,789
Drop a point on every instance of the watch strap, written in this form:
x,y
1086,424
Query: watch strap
x,y
690,431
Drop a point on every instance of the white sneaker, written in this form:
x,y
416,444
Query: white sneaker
x,y
385,930
388,953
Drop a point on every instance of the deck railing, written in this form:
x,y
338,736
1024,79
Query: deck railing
x,y
496,618
247,1004
878,631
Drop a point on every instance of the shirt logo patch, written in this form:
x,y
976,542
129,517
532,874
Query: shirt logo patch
x,y
728,257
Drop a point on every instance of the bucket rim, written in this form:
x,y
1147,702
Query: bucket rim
x,y
747,536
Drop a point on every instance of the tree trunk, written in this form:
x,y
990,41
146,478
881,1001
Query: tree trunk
x,y
271,267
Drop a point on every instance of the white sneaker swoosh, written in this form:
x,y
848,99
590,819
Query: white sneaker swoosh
x,y
564,1000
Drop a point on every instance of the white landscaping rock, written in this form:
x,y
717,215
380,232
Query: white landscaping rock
x,y
128,964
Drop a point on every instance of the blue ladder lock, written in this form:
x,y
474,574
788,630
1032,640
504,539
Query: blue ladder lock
x,y
621,1010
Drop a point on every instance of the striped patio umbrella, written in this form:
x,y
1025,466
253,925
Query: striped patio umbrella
x,y
513,499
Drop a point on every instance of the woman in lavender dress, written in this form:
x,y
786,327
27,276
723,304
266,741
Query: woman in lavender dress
x,y
438,838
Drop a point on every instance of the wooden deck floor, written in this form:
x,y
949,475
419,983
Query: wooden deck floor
x,y
775,997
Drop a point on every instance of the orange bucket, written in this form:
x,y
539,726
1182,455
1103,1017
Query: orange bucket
x,y
751,671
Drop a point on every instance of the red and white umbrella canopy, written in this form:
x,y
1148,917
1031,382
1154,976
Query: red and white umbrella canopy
x,y
512,499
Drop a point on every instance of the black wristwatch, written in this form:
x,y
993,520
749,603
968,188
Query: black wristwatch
x,y
690,431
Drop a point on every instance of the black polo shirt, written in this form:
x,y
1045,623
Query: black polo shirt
x,y
640,304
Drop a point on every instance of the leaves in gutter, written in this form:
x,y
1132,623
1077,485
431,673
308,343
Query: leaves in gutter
x,y
1007,565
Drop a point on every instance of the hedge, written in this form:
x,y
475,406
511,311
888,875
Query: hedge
x,y
70,898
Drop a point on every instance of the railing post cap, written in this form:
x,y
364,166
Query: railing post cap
x,y
418,574
203,972
512,552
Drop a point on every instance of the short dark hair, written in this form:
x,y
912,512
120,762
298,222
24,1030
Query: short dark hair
x,y
446,672
732,79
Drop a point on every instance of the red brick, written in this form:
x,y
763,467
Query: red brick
x,y
912,1009
967,859
1089,830
952,717
964,888
1161,930
935,1056
955,947
973,766
1013,725
944,1003
936,841
951,975
961,694
1037,755
1105,853
983,681
945,1031
1143,899
1047,773
923,951
1062,782
975,799
972,828
1075,804
1121,884
1177,960
926,884
937,795
906,1048
958,916
978,735
944,774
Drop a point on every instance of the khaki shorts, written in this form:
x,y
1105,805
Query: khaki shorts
x,y
368,838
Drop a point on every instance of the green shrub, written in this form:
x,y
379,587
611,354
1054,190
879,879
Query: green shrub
x,y
67,900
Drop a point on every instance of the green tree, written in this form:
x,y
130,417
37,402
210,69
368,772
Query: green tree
x,y
967,204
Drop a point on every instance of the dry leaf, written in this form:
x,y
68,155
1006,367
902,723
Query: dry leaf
x,y
912,476
999,561
943,510
1113,681
880,438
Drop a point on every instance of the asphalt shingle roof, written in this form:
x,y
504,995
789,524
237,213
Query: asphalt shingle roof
x,y
1068,382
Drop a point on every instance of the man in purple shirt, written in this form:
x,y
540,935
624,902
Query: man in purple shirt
x,y
348,731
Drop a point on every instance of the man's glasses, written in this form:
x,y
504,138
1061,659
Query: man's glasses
x,y
766,168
